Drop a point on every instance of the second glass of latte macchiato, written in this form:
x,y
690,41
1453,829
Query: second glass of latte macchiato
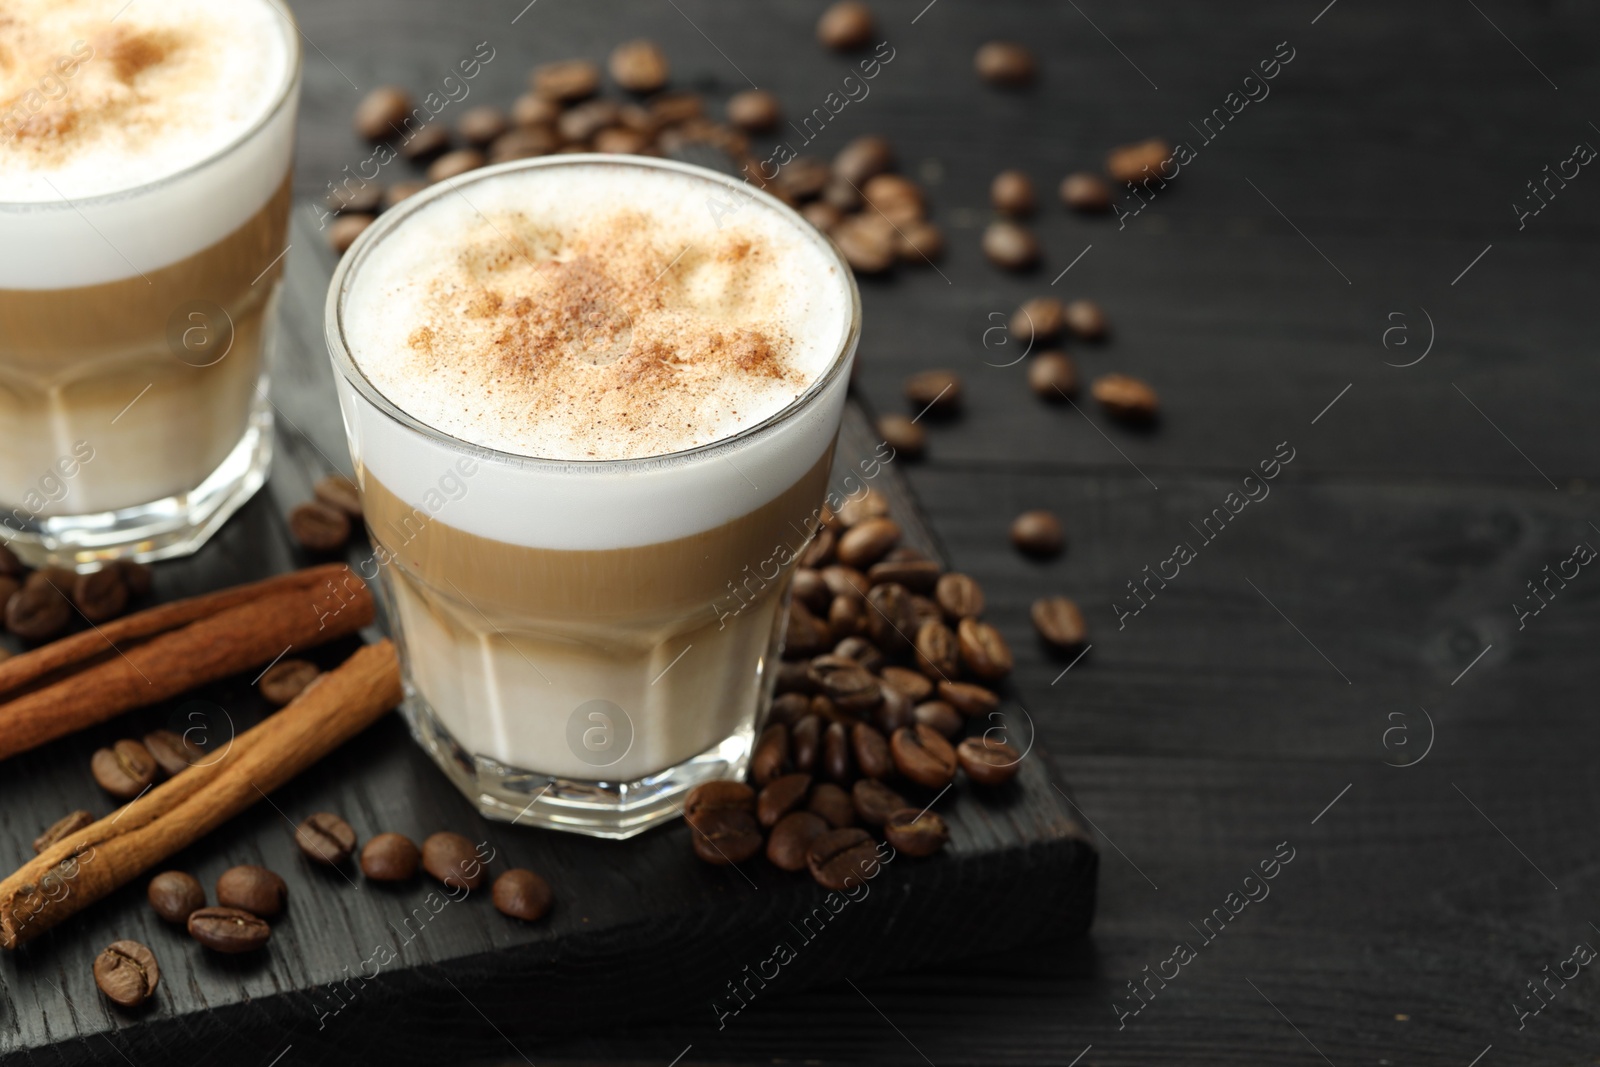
x,y
592,404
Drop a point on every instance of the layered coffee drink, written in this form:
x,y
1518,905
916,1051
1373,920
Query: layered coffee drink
x,y
592,404
144,197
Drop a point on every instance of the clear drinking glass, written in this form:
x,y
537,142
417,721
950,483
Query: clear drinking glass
x,y
588,682
133,327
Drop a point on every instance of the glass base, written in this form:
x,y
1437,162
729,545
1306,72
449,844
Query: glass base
x,y
614,810
176,526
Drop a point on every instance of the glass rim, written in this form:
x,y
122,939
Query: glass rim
x,y
285,91
370,238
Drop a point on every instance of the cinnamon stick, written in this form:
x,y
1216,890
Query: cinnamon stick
x,y
159,653
85,866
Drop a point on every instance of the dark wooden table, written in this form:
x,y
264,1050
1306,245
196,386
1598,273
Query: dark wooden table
x,y
1284,687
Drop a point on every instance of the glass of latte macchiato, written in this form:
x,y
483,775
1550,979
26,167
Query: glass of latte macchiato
x,y
144,197
592,403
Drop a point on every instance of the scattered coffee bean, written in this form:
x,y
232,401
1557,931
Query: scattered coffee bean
x,y
861,159
1059,622
401,191
940,716
803,177
858,509
1085,319
718,795
806,634
1139,162
973,701
914,684
8,587
175,895
454,164
1011,193
363,199
840,195
254,889
228,930
832,803
587,119
918,575
287,679
822,215
819,553
935,392
771,756
861,651
525,142
325,838
426,142
893,620
567,80
1126,398
382,113
101,594
1039,319
1010,246
127,973
136,576
924,756
482,124
638,66
38,611
781,796
727,836
10,565
452,859
919,241
390,857
871,751
875,802
893,712
173,753
983,650
670,109
845,26
896,198
617,141
793,677
124,769
865,544
988,762
1086,192
521,894
1004,63
340,492
916,833
754,110
867,242
847,614
805,743
531,109
1052,376
318,527
790,841
61,829
1037,534
837,763
845,581
344,230
958,596
937,651
809,588
904,436
840,859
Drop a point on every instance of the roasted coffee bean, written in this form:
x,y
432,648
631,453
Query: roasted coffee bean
x,y
1011,193
228,929
364,199
859,509
318,527
940,716
859,650
727,836
892,622
771,756
936,392
567,80
837,763
924,609
867,243
840,195
59,577
809,588
843,581
175,895
896,198
1085,319
923,755
1004,63
842,858
1037,533
1139,162
861,159
907,439
344,231
919,241
847,615
790,840
827,711
918,575
793,677
482,124
531,109
1010,246
390,857
803,177
973,701
781,796
10,565
988,762
983,651
639,66
127,973
173,753
874,802
325,838
1053,376
871,751
714,796
938,653
339,492
893,712
806,634
254,889
38,611
382,113
8,586
451,858
832,803
1086,192
805,742
819,551
789,708
124,769
865,544
521,894
426,143
62,828
1126,398
958,596
524,142
1059,622
100,595
823,216
136,576
287,679
845,26
620,142
1040,319
754,110
916,833
454,164
914,684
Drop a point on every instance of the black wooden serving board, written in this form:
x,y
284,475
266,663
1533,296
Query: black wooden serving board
x,y
358,972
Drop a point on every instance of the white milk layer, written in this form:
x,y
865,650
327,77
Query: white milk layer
x,y
109,114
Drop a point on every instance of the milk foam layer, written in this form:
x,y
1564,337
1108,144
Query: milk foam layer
x,y
106,127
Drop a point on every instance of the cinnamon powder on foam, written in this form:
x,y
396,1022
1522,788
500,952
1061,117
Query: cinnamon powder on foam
x,y
636,347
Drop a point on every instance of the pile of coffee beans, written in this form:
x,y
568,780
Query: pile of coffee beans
x,y
42,605
886,663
